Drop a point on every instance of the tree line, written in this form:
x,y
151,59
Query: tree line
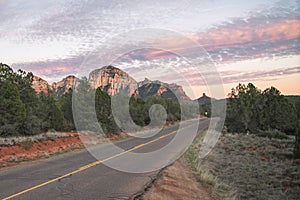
x,y
251,110
25,112
266,113
128,111
22,110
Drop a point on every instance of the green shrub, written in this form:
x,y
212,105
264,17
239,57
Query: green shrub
x,y
297,144
26,144
250,110
272,134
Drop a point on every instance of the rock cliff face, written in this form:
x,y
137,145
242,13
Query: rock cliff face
x,y
40,85
165,90
63,86
113,81
57,89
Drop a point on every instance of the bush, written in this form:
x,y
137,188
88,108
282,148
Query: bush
x,y
272,134
297,144
251,110
26,144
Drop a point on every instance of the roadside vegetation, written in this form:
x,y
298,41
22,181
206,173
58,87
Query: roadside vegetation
x,y
243,166
264,113
251,110
18,140
23,112
258,153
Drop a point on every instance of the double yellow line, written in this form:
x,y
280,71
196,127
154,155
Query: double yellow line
x,y
86,167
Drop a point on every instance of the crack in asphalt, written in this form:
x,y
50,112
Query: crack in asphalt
x,y
139,195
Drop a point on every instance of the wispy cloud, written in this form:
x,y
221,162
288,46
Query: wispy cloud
x,y
53,38
52,70
260,75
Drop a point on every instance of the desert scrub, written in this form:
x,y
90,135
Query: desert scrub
x,y
251,167
191,154
19,140
26,144
272,134
204,176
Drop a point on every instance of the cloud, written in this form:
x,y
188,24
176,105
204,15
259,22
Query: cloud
x,y
52,70
231,42
253,31
260,75
83,27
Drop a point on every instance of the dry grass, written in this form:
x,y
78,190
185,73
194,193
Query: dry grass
x,y
10,141
250,167
178,182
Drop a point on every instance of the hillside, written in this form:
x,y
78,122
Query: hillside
x,y
204,99
40,85
114,81
293,98
251,167
164,90
63,86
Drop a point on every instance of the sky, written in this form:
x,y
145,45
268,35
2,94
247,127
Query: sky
x,y
205,46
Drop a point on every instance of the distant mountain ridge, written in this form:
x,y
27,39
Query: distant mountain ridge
x,y
64,85
40,85
114,81
57,88
204,99
157,88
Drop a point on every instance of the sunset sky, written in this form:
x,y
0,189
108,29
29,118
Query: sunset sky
x,y
189,42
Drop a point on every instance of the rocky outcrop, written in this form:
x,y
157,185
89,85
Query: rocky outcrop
x,y
63,86
40,85
113,81
205,100
165,90
57,89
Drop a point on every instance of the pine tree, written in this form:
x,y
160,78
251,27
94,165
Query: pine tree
x,y
279,113
249,109
84,107
12,110
65,103
297,144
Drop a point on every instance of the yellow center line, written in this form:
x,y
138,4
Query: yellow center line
x,y
86,167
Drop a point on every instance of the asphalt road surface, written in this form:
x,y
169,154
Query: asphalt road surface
x,y
78,175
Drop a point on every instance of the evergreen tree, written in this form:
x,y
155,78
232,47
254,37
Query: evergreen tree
x,y
104,113
136,109
84,107
32,122
25,112
12,109
65,103
297,106
279,113
52,117
249,109
297,143
238,115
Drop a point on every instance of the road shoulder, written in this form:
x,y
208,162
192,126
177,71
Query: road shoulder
x,y
177,181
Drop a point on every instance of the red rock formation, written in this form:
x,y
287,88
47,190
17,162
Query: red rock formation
x,y
161,90
165,90
113,81
40,85
63,86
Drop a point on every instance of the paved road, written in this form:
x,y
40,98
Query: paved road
x,y
69,176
